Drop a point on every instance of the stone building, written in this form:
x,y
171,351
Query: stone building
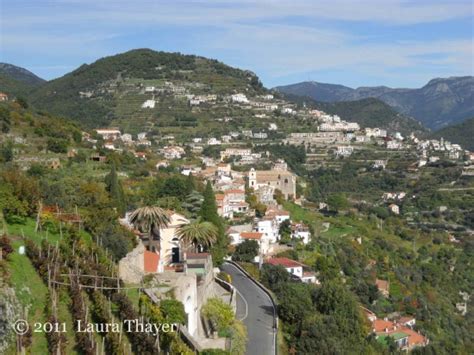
x,y
283,180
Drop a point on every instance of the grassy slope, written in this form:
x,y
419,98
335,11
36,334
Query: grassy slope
x,y
30,288
31,292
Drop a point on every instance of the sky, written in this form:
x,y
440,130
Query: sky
x,y
355,43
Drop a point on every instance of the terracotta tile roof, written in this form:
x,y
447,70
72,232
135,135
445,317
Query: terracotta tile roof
x,y
380,325
150,261
285,262
235,191
382,285
276,212
220,196
251,235
414,338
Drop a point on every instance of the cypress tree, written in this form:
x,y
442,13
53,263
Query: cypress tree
x,y
115,190
209,213
209,207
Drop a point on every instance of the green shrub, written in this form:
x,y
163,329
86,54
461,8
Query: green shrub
x,y
221,315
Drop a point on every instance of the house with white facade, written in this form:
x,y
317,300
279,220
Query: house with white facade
x,y
301,232
344,150
126,138
149,104
269,227
109,133
394,209
141,136
173,152
239,98
213,141
393,144
294,268
260,135
263,243
231,152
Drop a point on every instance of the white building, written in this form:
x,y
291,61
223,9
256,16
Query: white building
x,y
271,107
295,268
379,163
144,142
149,104
126,138
263,243
394,145
109,133
173,152
269,227
344,150
375,132
213,141
301,232
239,98
234,152
109,146
394,209
260,135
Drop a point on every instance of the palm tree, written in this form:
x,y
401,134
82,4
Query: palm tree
x,y
150,219
198,233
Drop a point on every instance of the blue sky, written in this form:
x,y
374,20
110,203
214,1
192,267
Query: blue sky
x,y
356,43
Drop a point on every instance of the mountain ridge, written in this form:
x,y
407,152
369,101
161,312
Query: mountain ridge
x,y
20,74
18,81
441,102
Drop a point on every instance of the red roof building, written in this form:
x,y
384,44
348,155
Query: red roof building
x,y
285,262
251,235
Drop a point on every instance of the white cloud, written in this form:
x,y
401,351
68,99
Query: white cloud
x,y
279,38
215,12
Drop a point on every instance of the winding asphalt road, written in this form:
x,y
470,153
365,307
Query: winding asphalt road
x,y
255,309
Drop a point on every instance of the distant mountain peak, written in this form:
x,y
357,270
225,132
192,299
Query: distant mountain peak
x,y
20,74
442,101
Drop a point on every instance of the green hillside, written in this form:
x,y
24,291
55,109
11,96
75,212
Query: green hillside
x,y
462,134
13,87
366,112
372,113
114,87
16,81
